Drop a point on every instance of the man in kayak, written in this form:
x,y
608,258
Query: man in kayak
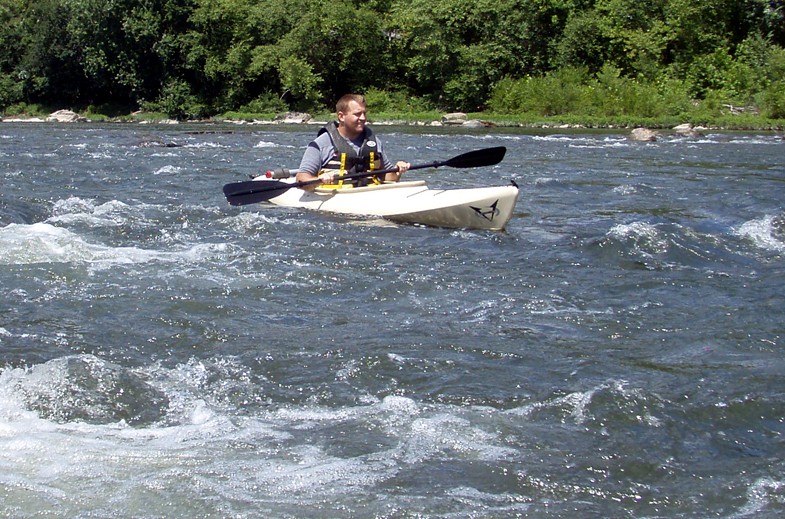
x,y
347,146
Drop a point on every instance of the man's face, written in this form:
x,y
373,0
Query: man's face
x,y
353,120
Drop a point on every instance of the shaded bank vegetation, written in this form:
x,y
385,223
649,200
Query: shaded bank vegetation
x,y
601,60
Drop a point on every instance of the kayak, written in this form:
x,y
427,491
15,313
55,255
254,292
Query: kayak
x,y
413,202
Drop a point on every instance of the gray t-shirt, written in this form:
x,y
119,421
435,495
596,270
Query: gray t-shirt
x,y
321,150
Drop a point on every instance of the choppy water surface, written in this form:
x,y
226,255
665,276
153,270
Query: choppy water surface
x,y
617,352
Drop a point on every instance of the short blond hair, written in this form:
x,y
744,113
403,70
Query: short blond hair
x,y
343,103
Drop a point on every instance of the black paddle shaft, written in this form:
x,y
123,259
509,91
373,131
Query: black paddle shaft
x,y
253,191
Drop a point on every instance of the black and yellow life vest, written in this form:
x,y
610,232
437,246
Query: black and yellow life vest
x,y
346,160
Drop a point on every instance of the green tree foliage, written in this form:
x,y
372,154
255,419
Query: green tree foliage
x,y
455,50
342,44
195,58
12,75
116,40
307,51
38,52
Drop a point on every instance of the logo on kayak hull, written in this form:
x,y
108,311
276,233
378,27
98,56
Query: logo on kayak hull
x,y
487,212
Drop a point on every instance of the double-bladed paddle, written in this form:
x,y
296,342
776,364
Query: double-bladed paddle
x,y
253,191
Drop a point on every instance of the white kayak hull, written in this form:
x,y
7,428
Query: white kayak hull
x,y
488,208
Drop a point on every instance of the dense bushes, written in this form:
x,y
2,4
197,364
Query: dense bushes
x,y
196,58
713,83
772,100
606,94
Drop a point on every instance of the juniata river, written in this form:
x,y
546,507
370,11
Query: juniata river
x,y
616,352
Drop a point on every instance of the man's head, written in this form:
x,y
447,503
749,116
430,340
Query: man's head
x,y
351,113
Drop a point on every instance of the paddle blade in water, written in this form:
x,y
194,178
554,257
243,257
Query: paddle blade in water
x,y
478,158
253,191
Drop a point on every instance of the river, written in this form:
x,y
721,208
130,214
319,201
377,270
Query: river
x,y
616,352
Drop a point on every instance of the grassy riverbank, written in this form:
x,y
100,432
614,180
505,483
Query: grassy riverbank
x,y
729,119
725,122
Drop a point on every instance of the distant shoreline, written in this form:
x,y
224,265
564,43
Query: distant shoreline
x,y
448,121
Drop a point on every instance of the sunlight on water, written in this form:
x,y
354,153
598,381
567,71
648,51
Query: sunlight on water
x,y
84,442
764,233
645,237
45,243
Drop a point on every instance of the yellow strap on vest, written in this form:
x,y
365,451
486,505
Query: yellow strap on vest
x,y
338,184
374,178
343,168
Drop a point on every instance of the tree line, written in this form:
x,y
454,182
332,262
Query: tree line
x,y
199,58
